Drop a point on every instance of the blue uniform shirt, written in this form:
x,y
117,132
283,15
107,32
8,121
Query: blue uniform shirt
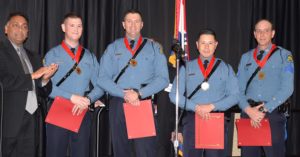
x,y
151,69
75,83
223,90
275,87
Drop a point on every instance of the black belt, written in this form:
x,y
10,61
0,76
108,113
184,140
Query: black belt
x,y
149,97
283,108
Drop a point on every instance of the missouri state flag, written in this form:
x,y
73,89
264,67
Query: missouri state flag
x,y
180,31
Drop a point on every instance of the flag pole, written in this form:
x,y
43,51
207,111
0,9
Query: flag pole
x,y
180,35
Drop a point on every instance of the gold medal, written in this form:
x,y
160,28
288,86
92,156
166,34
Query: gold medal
x,y
261,75
133,62
78,70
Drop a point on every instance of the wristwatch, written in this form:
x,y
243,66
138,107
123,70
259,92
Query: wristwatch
x,y
91,106
262,109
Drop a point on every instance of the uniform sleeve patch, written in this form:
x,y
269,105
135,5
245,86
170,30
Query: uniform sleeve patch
x,y
289,68
161,50
290,58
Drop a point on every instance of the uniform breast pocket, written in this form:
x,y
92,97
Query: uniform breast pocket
x,y
218,81
248,66
275,67
272,69
86,65
118,55
86,68
146,61
59,62
148,57
192,81
192,77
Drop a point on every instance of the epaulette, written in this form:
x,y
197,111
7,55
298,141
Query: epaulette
x,y
153,42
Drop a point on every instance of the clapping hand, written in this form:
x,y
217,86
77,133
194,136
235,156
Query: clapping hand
x,y
51,69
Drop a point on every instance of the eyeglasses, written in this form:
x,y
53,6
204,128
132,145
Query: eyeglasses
x,y
262,31
210,43
18,26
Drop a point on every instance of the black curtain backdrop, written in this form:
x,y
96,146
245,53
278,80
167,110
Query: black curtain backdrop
x,y
233,21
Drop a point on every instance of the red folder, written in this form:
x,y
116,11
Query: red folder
x,y
250,136
60,114
209,134
139,120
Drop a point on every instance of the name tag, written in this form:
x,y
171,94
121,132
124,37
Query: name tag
x,y
118,54
248,64
191,74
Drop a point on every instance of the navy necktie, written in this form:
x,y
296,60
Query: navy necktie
x,y
131,43
205,63
73,50
260,55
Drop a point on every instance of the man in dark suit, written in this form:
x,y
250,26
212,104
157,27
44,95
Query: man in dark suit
x,y
24,80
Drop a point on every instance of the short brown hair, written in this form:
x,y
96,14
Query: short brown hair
x,y
132,11
71,15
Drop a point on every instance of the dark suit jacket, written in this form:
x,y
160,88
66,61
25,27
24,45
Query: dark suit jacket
x,y
16,85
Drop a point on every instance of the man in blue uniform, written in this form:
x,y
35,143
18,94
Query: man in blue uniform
x,y
147,74
263,96
75,86
217,93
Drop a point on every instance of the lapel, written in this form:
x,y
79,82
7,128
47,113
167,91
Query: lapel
x,y
12,53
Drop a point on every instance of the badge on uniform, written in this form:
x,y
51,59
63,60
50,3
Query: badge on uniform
x,y
78,70
133,62
261,75
161,50
205,86
290,58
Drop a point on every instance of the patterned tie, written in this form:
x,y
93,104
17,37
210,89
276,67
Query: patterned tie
x,y
260,55
131,43
205,63
31,103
